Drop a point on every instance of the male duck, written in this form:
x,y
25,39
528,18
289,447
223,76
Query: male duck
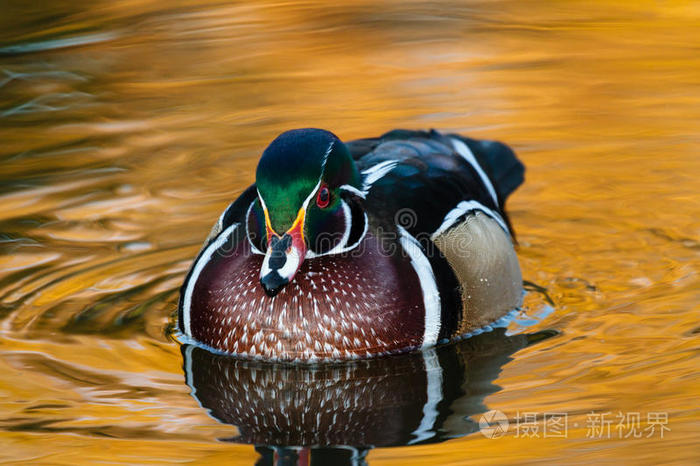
x,y
345,250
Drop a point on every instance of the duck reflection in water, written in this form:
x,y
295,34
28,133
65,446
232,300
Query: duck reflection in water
x,y
335,413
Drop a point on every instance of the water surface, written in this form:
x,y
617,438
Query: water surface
x,y
127,127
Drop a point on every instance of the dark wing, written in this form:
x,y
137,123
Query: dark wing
x,y
431,177
237,210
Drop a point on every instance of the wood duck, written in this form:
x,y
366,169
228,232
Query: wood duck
x,y
359,249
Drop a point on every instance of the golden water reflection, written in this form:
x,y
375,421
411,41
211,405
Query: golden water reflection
x,y
126,127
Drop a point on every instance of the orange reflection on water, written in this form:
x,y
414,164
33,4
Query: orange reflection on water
x,y
127,127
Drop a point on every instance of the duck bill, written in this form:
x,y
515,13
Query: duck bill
x,y
284,256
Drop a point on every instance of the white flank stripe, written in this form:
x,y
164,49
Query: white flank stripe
x,y
198,266
372,174
463,150
433,374
431,296
461,209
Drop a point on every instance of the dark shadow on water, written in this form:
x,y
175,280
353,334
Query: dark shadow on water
x,y
336,413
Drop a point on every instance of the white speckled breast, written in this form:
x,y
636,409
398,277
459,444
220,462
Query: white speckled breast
x,y
343,306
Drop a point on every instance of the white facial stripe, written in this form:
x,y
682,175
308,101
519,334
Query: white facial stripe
x,y
426,278
262,201
304,204
311,196
296,260
325,157
463,208
463,150
293,259
198,267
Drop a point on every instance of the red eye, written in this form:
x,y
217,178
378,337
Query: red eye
x,y
323,197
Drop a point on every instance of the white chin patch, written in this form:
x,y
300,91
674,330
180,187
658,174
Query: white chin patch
x,y
290,267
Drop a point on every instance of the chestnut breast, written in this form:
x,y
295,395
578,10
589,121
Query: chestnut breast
x,y
365,302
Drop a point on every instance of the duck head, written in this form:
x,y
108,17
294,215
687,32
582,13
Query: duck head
x,y
308,189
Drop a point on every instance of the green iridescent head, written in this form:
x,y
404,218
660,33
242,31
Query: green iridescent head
x,y
300,211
